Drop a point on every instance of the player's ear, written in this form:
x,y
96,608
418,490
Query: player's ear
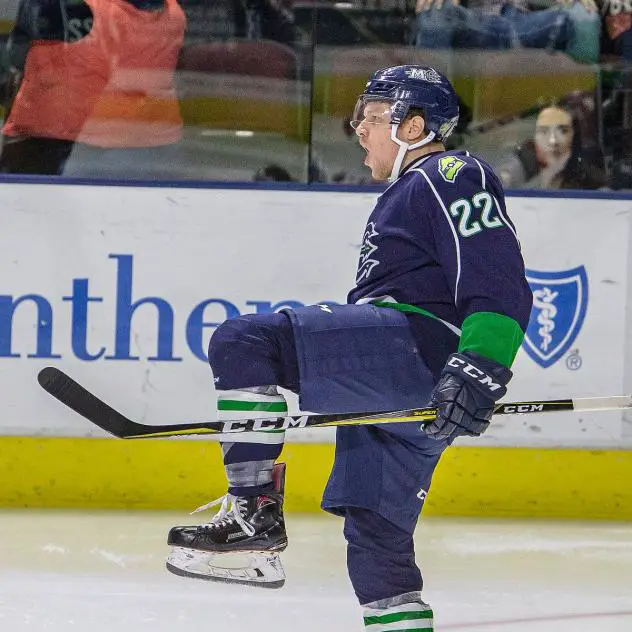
x,y
415,128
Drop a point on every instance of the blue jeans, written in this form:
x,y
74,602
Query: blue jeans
x,y
457,27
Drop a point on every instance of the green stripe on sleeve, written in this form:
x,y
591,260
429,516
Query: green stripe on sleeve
x,y
494,336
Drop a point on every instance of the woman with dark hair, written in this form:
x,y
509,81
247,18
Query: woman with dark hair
x,y
557,157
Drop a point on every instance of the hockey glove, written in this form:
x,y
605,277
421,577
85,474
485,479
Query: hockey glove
x,y
464,397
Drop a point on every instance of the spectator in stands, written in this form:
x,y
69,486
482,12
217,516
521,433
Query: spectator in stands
x,y
617,18
505,24
559,156
93,77
616,88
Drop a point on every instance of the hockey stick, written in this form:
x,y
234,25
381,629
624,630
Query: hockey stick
x,y
82,401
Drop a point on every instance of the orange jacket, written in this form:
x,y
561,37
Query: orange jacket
x,y
113,88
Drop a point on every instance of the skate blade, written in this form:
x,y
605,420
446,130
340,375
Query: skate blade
x,y
253,568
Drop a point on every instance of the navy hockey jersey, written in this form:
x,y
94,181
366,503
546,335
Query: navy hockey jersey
x,y
439,243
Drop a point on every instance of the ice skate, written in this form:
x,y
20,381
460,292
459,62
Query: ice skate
x,y
240,544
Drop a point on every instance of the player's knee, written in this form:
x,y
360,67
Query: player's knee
x,y
245,335
228,333
254,350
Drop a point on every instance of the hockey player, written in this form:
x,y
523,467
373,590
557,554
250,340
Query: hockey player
x,y
437,314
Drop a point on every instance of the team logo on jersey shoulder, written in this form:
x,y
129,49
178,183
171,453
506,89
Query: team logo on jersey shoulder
x,y
559,307
449,167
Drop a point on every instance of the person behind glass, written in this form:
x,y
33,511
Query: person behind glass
x,y
617,32
501,24
556,158
96,74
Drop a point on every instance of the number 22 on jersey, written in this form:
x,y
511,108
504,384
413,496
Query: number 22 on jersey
x,y
464,209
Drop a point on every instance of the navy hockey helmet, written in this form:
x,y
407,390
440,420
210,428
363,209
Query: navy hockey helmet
x,y
405,88
413,86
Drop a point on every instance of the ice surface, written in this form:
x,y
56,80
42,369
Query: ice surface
x,y
104,572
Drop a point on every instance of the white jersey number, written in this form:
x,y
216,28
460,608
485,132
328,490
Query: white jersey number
x,y
462,208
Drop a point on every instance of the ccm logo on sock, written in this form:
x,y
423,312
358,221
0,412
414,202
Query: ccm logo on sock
x,y
473,372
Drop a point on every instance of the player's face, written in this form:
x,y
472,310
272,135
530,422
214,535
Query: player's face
x,y
553,133
373,127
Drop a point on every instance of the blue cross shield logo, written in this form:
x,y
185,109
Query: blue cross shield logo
x,y
559,307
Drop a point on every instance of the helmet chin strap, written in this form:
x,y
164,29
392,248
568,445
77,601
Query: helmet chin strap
x,y
403,149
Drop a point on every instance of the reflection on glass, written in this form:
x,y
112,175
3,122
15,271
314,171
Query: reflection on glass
x,y
245,94
264,90
507,60
157,89
94,88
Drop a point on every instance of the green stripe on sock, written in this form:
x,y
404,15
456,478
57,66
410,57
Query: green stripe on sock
x,y
430,629
270,407
398,616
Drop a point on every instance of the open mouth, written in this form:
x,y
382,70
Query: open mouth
x,y
366,150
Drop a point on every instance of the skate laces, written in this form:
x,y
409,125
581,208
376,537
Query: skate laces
x,y
229,512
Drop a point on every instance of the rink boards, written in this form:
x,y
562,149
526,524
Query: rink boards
x,y
123,286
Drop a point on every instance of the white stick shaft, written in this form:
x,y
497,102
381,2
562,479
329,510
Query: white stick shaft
x,y
617,402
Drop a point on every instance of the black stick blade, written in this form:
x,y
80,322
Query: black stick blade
x,y
82,401
63,388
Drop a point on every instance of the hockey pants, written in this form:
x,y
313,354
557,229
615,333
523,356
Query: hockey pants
x,y
381,474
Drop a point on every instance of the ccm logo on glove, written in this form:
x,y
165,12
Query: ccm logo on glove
x,y
465,396
469,369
